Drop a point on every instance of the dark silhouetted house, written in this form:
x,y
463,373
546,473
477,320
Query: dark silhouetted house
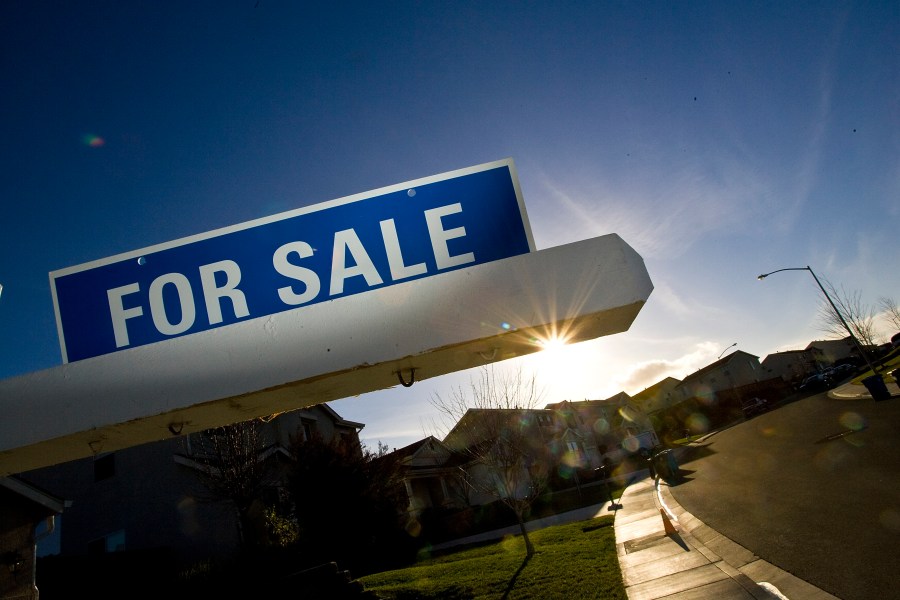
x,y
658,396
150,498
834,350
734,371
24,509
608,431
431,474
794,365
481,428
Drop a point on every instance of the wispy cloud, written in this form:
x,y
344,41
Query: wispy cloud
x,y
644,374
661,214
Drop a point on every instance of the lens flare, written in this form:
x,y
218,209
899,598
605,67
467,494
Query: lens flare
x,y
94,141
853,421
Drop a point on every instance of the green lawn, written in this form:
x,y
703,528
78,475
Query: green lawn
x,y
576,560
888,364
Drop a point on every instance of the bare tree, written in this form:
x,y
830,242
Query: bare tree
x,y
497,426
231,468
858,316
349,502
891,310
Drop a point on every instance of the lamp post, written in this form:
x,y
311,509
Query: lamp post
x,y
726,350
833,306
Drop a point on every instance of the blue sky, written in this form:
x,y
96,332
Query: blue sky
x,y
720,140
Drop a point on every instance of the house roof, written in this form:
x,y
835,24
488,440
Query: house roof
x,y
614,400
713,366
408,452
411,449
469,429
33,493
829,343
339,420
663,385
803,351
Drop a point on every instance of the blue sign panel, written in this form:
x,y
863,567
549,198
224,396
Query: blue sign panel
x,y
347,246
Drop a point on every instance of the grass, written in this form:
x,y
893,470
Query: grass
x,y
571,561
891,362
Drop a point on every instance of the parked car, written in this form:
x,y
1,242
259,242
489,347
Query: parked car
x,y
815,383
843,370
754,406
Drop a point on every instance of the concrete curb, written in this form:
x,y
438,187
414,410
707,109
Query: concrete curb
x,y
695,561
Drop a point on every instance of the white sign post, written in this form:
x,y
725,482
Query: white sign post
x,y
415,325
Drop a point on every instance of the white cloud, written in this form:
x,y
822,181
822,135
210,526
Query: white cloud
x,y
643,374
660,211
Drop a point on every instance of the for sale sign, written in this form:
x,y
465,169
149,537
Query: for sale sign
x,y
313,254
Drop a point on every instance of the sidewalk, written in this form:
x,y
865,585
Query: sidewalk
x,y
857,391
677,556
665,552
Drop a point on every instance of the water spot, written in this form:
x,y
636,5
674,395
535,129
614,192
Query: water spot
x,y
142,261
890,518
768,431
697,423
853,421
631,444
411,192
270,328
601,426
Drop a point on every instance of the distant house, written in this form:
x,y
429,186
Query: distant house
x,y
24,508
608,431
793,365
150,497
479,427
431,474
658,396
734,371
834,350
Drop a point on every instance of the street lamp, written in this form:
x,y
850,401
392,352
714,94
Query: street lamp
x,y
726,350
833,306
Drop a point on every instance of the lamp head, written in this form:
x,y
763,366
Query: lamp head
x,y
760,277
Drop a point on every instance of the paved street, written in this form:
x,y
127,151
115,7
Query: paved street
x,y
813,487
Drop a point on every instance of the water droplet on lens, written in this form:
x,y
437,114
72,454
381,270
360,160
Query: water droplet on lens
x,y
142,261
411,193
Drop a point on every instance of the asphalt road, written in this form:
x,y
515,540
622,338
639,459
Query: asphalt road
x,y
813,487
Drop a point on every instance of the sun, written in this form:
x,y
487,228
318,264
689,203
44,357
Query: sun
x,y
551,357
552,345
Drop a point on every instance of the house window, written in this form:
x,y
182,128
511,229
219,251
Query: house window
x,y
309,429
114,542
573,446
104,467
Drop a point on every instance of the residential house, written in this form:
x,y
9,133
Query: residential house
x,y
658,396
731,372
24,510
793,365
564,438
534,432
150,497
608,431
834,350
431,474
